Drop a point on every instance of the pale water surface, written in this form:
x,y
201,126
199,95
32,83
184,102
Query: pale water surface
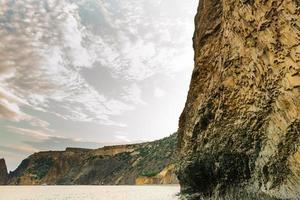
x,y
89,192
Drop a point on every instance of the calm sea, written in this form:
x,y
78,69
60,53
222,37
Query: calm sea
x,y
89,192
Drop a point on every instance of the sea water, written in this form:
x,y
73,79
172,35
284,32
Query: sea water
x,y
89,192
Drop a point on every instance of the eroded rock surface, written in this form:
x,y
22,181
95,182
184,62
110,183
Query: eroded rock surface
x,y
166,176
240,129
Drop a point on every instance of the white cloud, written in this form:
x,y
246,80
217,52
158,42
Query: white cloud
x,y
145,40
36,134
53,72
122,138
73,35
39,123
50,44
133,94
9,106
158,93
41,136
23,149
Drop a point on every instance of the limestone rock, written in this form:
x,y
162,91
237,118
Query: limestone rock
x,y
240,129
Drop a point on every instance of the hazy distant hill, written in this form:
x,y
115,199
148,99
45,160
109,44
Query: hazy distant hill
x,y
145,163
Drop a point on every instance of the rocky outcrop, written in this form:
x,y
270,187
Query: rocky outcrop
x,y
239,134
3,172
166,176
114,165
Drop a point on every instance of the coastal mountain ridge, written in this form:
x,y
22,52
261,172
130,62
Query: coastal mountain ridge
x,y
144,163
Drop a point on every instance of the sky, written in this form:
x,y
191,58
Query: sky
x,y
88,73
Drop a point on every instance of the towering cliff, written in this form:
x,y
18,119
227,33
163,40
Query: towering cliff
x,y
145,163
3,172
239,134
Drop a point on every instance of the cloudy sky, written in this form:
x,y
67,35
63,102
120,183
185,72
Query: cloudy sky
x,y
87,73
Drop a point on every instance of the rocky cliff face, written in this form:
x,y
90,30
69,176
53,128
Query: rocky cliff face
x,y
114,165
3,172
166,176
239,133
